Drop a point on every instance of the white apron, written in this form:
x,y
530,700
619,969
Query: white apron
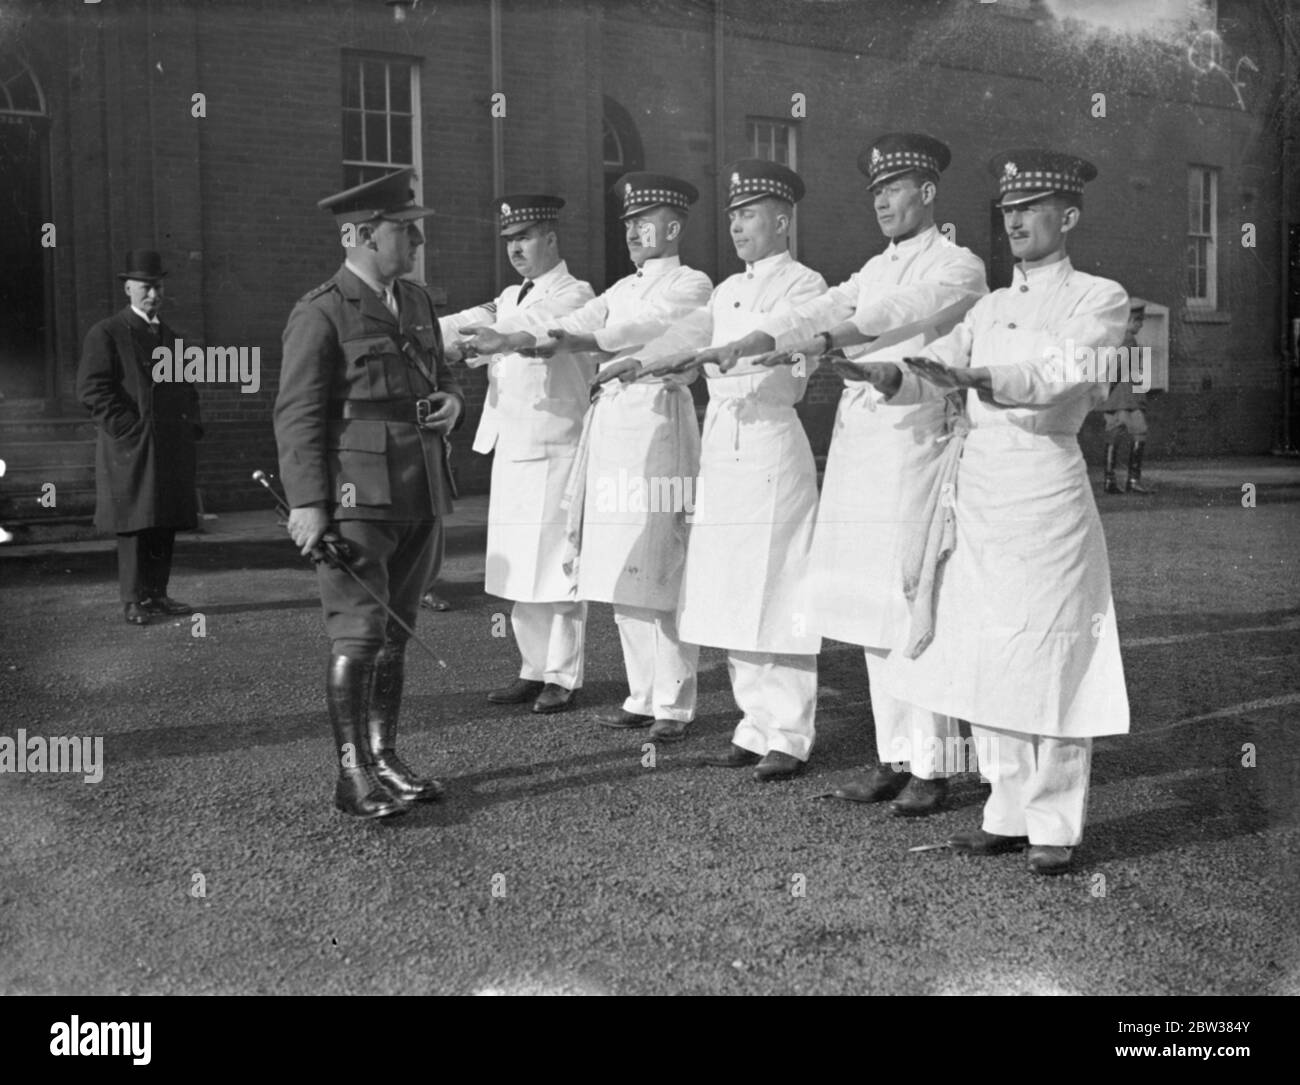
x,y
882,465
643,458
745,582
1025,636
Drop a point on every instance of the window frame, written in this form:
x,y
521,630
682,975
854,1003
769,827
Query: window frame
x,y
753,123
360,57
1196,190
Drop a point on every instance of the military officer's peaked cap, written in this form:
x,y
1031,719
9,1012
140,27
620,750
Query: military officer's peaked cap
x,y
1137,305
898,153
753,179
642,191
519,212
387,197
1032,174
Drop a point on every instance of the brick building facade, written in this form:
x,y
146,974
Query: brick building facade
x,y
105,139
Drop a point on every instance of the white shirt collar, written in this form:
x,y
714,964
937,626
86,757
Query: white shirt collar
x,y
769,263
917,241
660,265
1058,269
141,315
558,270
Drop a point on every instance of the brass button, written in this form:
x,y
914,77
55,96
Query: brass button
x,y
1023,289
1010,325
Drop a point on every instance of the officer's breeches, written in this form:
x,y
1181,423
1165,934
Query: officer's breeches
x,y
395,560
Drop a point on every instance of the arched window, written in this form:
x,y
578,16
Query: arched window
x,y
19,91
622,154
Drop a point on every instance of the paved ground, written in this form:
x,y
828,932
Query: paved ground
x,y
560,862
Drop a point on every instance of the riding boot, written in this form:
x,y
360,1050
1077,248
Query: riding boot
x,y
381,730
1134,484
1111,486
359,791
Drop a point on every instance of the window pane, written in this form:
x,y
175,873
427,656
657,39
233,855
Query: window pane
x,y
401,132
351,135
399,87
376,137
613,150
352,176
351,84
376,93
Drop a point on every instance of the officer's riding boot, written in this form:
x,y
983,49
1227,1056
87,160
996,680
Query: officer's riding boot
x,y
1135,469
359,791
1111,486
381,730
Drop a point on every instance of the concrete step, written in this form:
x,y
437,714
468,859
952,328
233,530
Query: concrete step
x,y
29,475
19,506
38,453
23,430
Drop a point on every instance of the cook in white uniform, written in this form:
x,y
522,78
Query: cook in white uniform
x,y
1025,645
533,418
746,561
881,464
641,454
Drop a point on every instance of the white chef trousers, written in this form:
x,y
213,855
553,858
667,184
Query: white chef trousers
x,y
777,692
550,639
1040,785
660,668
926,744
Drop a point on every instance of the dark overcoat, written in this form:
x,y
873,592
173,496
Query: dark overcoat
x,y
145,458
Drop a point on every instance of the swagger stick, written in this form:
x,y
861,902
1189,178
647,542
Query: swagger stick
x,y
336,553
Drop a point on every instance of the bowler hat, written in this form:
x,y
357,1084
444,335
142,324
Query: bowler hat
x,y
144,265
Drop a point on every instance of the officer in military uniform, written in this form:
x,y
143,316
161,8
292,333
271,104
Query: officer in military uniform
x,y
364,408
1125,412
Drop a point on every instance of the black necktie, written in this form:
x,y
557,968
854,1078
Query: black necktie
x,y
528,285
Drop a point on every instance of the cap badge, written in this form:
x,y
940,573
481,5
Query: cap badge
x,y
1010,170
735,178
876,157
505,209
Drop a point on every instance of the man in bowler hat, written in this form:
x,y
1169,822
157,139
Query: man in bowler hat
x,y
145,457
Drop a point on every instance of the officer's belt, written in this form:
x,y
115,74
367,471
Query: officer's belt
x,y
379,410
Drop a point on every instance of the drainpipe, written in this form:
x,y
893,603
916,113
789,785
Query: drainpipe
x,y
498,134
1288,335
719,136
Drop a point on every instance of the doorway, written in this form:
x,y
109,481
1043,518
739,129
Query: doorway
x,y
26,371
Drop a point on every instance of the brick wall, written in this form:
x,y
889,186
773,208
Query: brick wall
x,y
230,198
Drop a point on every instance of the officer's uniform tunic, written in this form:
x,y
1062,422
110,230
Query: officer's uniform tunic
x,y
643,448
533,418
1025,644
744,587
881,465
383,482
